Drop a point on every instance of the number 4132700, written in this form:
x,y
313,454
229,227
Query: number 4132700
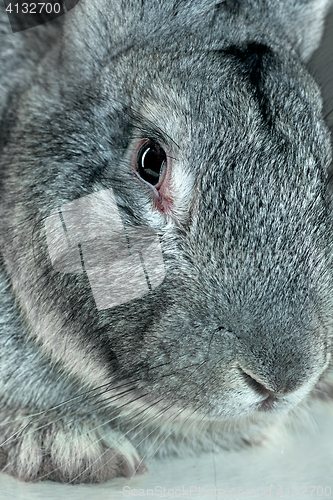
x,y
34,8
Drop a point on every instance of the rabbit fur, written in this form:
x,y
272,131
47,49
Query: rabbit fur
x,y
237,336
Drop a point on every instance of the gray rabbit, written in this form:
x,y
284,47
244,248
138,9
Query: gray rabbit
x,y
166,232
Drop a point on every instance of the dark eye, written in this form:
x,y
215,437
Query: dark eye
x,y
151,162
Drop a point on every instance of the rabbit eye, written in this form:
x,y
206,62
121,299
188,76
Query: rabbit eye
x,y
151,162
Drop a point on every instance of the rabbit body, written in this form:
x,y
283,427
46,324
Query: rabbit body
x,y
237,334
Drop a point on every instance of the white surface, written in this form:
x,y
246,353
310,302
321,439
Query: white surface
x,y
299,460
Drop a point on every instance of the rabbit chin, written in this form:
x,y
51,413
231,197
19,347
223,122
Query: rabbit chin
x,y
171,429
186,432
223,422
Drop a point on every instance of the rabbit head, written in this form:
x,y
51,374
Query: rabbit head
x,y
199,125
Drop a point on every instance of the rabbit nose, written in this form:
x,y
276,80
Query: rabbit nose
x,y
269,397
255,385
268,403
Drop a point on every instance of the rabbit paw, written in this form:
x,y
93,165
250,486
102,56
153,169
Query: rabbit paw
x,y
79,456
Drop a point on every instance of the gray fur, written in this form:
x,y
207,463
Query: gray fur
x,y
246,303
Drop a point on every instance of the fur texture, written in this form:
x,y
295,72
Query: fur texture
x,y
239,332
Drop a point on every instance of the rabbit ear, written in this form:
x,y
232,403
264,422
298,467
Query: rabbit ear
x,y
99,29
305,24
96,30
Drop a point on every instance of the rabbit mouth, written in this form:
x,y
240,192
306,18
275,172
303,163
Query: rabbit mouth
x,y
269,403
279,402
